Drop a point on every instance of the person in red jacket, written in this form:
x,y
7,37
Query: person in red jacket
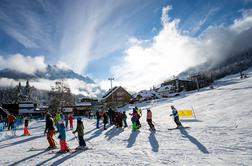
x,y
11,119
71,120
26,131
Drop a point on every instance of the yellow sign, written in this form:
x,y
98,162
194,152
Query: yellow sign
x,y
185,112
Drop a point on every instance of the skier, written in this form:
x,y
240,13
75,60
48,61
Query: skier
x,y
11,118
62,137
56,120
134,119
66,120
80,130
116,117
26,131
120,119
175,116
139,114
111,116
71,121
149,119
105,120
14,128
97,119
50,131
125,119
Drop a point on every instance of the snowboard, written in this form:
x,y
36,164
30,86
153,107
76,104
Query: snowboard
x,y
177,128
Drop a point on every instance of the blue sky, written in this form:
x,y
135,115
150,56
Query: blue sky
x,y
101,38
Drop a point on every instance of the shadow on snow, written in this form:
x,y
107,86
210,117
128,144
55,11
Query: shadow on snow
x,y
200,146
132,138
153,142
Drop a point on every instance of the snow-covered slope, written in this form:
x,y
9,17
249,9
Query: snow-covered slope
x,y
222,134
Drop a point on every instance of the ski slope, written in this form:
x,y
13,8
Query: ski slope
x,y
222,134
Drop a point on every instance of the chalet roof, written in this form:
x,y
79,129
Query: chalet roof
x,y
111,91
5,111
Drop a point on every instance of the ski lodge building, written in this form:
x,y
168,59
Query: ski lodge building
x,y
116,97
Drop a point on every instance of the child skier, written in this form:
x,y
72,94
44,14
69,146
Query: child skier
x,y
14,128
175,116
134,119
50,131
149,119
80,130
125,119
26,131
62,137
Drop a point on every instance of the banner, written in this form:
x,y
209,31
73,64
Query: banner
x,y
185,112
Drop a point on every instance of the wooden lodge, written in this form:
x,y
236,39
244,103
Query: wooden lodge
x,y
116,97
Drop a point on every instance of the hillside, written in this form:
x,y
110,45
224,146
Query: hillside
x,y
51,73
220,136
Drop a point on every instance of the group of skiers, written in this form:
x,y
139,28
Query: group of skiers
x,y
120,118
60,122
12,122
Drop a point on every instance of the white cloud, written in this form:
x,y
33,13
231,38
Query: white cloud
x,y
170,52
23,64
63,65
243,23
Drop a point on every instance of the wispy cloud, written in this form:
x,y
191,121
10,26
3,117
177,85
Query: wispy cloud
x,y
23,64
78,30
170,52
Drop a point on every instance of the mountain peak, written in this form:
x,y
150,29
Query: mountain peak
x,y
52,73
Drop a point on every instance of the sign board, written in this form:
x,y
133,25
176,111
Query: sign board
x,y
26,108
185,112
67,110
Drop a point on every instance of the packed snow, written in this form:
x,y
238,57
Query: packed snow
x,y
220,135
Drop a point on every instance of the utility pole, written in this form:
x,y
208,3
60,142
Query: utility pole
x,y
111,79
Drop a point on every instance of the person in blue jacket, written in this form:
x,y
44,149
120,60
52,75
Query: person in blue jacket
x,y
62,137
175,116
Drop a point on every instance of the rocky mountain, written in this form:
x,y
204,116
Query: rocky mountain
x,y
51,73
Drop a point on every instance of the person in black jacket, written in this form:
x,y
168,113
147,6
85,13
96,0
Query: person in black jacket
x,y
105,120
80,130
50,131
97,119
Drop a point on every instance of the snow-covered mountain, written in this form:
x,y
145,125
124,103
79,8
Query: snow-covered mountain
x,y
51,73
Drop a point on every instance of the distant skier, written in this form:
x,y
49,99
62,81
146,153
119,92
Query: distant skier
x,y
71,120
49,129
125,119
139,114
111,116
105,120
149,119
97,119
62,137
175,116
26,123
57,119
14,128
11,118
80,130
66,120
